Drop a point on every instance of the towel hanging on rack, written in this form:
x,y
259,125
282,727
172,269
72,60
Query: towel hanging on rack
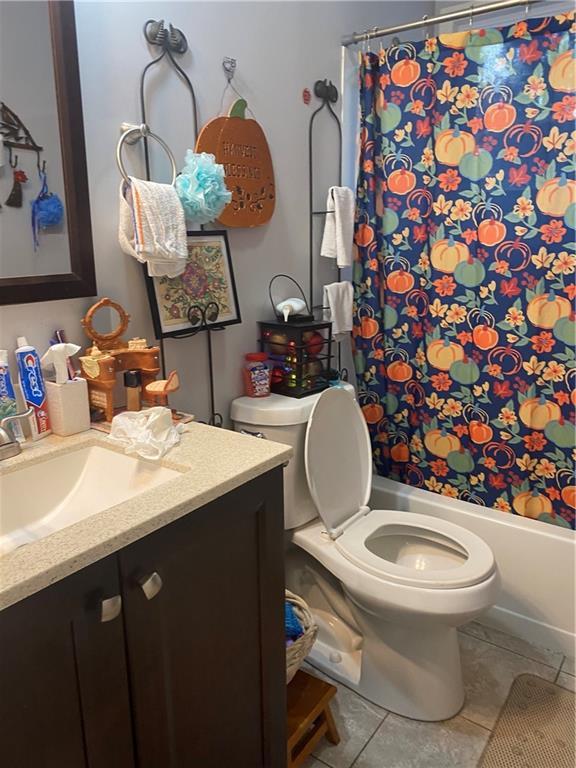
x,y
151,226
337,302
339,226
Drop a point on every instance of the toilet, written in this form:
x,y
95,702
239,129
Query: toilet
x,y
388,589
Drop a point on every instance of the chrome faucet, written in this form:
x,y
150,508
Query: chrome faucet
x,y
9,446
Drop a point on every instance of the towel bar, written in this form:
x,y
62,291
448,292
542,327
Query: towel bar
x,y
144,132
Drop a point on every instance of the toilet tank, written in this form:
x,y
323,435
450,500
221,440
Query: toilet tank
x,y
284,420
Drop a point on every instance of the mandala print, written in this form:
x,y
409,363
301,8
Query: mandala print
x,y
464,323
204,280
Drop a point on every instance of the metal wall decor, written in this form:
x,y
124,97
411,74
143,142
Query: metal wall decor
x,y
199,314
15,135
172,42
14,132
326,91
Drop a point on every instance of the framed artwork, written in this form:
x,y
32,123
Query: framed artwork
x,y
207,280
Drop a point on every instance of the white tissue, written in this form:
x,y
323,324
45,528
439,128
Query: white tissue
x,y
149,433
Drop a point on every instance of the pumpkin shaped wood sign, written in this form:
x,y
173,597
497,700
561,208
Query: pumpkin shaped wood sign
x,y
240,146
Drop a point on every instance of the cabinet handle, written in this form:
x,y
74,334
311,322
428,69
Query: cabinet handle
x,y
110,608
151,585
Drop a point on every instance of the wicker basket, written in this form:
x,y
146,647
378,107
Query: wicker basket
x,y
299,649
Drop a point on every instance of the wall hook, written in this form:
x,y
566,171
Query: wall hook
x,y
41,168
326,91
171,39
229,67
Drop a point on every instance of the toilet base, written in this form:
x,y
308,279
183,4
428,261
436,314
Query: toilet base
x,y
413,673
406,662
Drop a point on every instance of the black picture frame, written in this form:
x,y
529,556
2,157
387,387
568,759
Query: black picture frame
x,y
168,324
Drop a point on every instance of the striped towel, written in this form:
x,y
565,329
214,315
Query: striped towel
x,y
151,226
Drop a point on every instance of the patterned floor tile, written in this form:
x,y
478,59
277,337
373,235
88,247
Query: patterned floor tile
x,y
568,665
312,762
488,674
567,681
403,743
516,644
356,719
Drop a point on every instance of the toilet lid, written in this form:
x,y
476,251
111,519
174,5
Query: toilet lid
x,y
338,457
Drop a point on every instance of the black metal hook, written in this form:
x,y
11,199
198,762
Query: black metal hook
x,y
326,90
171,39
41,168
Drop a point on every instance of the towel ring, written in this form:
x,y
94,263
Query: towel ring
x,y
144,132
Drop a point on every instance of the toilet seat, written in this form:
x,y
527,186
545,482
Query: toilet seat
x,y
452,543
338,458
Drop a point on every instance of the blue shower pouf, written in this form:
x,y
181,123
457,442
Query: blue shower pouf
x,y
201,188
49,211
292,627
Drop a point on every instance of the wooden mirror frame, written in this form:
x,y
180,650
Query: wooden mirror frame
x,y
81,280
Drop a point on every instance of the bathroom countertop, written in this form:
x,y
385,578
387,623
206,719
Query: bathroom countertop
x,y
212,462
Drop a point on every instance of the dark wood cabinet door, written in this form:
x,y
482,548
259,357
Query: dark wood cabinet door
x,y
64,699
206,652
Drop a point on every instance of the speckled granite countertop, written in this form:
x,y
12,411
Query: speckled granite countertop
x,y
211,461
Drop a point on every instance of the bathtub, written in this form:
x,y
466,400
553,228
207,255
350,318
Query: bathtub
x,y
536,560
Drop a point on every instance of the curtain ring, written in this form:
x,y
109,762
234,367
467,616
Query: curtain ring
x,y
370,40
526,9
427,35
471,16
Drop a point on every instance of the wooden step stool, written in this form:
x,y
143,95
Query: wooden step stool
x,y
309,716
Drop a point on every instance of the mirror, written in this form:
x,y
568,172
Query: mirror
x,y
45,233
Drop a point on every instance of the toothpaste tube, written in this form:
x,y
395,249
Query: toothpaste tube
x,y
33,388
8,404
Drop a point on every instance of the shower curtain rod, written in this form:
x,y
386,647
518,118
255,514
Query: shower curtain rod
x,y
358,37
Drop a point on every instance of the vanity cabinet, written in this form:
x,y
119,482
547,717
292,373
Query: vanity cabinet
x,y
189,673
64,699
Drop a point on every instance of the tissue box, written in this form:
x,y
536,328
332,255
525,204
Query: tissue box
x,y
68,407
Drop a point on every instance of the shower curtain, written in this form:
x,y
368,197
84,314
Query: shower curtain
x,y
464,325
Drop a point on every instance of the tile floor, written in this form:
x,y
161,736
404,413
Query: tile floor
x,y
371,737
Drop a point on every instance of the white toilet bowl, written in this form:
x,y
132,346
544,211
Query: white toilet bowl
x,y
405,603
388,588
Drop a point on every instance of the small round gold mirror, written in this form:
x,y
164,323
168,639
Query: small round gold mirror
x,y
95,320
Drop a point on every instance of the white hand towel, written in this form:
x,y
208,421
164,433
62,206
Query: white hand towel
x,y
152,228
339,226
337,301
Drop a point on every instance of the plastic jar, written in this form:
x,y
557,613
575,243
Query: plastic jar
x,y
256,375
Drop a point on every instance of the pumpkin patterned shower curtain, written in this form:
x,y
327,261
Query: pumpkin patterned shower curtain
x,y
464,326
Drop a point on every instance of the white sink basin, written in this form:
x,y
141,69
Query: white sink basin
x,y
40,498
